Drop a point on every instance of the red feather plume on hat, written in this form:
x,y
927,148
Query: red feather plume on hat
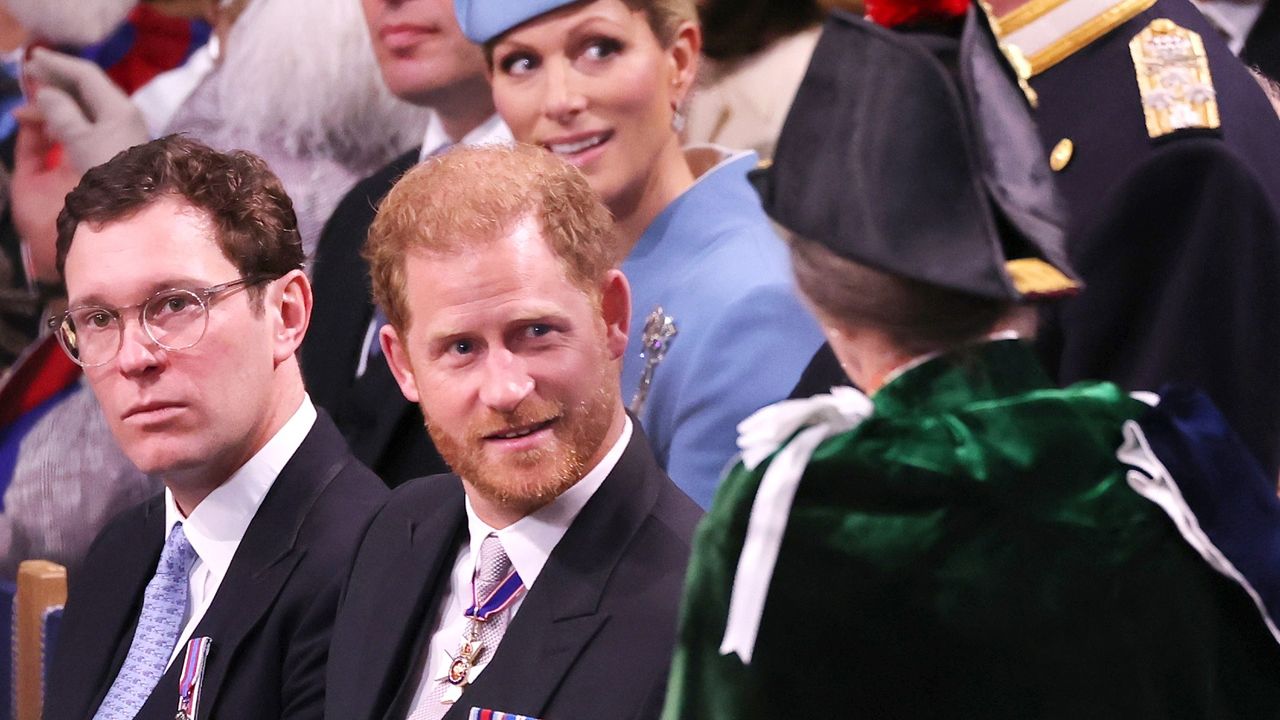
x,y
893,13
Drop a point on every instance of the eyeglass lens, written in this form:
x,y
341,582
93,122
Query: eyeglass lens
x,y
175,319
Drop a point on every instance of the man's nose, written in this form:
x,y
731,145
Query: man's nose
x,y
506,381
138,352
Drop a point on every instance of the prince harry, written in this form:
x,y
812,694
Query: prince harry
x,y
543,578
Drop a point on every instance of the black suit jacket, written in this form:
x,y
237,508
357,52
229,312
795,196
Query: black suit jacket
x,y
385,431
271,618
592,639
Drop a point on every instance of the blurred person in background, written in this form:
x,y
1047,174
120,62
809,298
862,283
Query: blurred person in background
x,y
63,475
717,330
293,81
297,84
424,60
132,43
1251,28
754,54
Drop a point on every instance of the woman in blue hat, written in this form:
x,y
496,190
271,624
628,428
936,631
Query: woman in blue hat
x,y
716,330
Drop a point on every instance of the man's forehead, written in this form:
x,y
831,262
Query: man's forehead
x,y
164,215
519,247
506,281
161,245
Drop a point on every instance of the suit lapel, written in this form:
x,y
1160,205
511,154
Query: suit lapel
x,y
111,597
562,612
266,557
408,579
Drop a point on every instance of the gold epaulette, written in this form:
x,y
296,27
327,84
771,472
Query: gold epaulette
x,y
1173,78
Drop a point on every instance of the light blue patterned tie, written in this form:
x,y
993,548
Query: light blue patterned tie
x,y
164,603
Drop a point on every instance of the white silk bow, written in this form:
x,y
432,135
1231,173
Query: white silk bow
x,y
759,436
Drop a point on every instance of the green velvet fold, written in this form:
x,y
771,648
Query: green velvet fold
x,y
973,550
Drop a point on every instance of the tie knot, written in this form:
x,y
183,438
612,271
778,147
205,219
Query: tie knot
x,y
178,554
493,565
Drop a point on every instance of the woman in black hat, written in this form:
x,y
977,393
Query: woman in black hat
x,y
969,541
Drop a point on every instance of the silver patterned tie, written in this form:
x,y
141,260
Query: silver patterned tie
x,y
164,603
493,567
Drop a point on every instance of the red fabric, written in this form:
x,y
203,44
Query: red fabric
x,y
40,374
162,43
893,13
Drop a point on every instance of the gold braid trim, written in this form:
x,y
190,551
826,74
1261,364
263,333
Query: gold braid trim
x,y
1034,277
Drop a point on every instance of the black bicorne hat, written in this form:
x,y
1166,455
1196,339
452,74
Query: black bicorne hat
x,y
915,153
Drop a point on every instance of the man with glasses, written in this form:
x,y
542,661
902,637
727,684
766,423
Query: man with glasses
x,y
187,304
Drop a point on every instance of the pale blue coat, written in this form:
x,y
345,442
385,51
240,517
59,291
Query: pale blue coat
x,y
712,260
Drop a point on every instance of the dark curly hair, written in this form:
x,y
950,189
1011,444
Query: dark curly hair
x,y
252,216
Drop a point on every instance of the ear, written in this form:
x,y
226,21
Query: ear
x,y
290,299
397,355
615,308
683,54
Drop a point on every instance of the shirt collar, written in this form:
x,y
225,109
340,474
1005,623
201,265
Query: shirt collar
x,y
490,132
530,540
216,526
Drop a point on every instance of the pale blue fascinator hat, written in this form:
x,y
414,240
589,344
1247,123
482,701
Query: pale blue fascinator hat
x,y
484,20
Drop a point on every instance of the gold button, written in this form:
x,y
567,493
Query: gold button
x,y
1061,154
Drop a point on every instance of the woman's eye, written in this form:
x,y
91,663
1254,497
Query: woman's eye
x,y
602,48
517,64
99,320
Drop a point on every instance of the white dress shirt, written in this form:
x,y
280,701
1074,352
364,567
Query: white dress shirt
x,y
219,522
490,132
528,542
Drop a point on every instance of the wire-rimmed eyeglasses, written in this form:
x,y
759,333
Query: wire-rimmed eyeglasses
x,y
174,319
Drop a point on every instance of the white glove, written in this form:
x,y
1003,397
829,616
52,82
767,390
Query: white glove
x,y
83,109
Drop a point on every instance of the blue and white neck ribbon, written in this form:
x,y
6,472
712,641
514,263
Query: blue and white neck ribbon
x,y
1149,477
191,681
502,596
759,436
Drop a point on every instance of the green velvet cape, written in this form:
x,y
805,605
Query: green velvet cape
x,y
972,550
